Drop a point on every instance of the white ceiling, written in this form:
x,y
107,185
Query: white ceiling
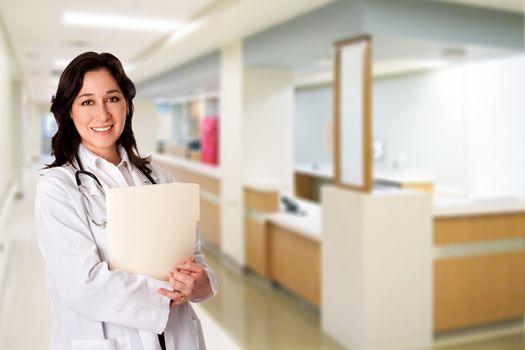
x,y
407,36
39,38
504,5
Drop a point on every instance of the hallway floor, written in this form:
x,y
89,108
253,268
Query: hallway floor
x,y
248,313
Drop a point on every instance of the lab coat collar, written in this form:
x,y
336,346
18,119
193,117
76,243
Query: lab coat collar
x,y
124,158
94,161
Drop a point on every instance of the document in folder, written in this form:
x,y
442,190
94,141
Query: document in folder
x,y
151,228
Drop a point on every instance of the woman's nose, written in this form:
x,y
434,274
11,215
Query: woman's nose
x,y
103,112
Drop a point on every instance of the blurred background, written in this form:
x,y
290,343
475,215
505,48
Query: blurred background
x,y
237,95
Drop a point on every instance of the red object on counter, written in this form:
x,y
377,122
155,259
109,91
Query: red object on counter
x,y
210,140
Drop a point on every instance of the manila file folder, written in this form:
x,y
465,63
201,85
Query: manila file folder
x,y
152,228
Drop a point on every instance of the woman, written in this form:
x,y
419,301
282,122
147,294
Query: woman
x,y
94,307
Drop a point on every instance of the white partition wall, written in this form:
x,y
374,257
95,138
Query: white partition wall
x,y
376,268
256,138
232,234
268,127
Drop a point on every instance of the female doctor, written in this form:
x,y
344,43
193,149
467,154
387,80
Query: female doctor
x,y
94,148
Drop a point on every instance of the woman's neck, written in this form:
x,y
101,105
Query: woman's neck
x,y
113,158
110,154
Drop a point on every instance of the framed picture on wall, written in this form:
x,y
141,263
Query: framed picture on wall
x,y
352,107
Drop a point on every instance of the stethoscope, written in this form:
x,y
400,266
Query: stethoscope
x,y
83,189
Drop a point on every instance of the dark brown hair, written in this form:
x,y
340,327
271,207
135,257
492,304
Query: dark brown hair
x,y
64,144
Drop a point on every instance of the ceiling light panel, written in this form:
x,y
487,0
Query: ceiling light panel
x,y
181,10
184,31
131,23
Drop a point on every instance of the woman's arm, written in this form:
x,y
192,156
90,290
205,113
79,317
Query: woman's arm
x,y
83,281
194,278
212,277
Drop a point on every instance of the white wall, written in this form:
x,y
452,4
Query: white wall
x,y
462,123
313,116
6,173
495,114
465,124
16,130
420,117
268,126
145,125
35,130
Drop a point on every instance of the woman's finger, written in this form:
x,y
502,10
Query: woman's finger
x,y
178,285
177,297
182,277
191,267
172,294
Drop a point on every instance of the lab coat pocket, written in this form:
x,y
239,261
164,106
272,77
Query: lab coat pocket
x,y
121,343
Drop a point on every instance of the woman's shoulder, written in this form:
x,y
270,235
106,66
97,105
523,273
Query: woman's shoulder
x,y
61,176
56,186
159,174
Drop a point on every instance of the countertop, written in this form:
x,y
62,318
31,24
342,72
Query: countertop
x,y
315,169
193,166
403,176
455,207
326,171
264,185
307,223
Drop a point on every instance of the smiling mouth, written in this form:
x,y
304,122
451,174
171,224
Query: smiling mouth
x,y
104,129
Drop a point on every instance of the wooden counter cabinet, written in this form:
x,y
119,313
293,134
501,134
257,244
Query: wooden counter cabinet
x,y
294,262
284,247
483,287
257,202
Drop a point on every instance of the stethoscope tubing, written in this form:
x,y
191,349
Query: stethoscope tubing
x,y
81,188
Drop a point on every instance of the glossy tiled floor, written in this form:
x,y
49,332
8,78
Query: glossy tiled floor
x,y
261,316
248,313
513,342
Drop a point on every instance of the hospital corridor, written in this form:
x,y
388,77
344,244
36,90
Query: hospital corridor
x,y
248,174
248,314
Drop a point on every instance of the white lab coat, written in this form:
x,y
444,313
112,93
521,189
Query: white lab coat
x,y
94,307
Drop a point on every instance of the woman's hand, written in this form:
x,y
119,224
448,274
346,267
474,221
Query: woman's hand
x,y
189,281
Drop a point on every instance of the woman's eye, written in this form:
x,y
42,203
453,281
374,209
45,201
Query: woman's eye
x,y
113,99
87,103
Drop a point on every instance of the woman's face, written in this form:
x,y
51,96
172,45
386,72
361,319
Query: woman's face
x,y
99,112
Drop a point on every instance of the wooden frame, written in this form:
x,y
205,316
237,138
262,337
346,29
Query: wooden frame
x,y
361,49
